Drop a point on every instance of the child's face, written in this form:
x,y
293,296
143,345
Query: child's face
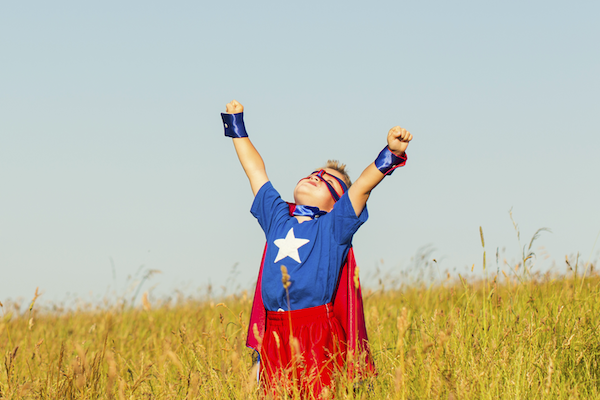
x,y
312,191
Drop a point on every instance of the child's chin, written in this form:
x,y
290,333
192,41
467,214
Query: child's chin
x,y
301,199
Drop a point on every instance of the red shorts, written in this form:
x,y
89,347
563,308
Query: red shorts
x,y
304,358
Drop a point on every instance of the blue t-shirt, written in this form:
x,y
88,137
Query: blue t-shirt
x,y
312,251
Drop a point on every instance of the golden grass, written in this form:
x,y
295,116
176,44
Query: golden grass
x,y
517,339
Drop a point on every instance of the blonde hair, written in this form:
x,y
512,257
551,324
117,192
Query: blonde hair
x,y
341,168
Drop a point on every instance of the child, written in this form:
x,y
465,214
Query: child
x,y
307,320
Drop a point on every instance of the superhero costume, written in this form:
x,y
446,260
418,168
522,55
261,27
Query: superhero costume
x,y
337,307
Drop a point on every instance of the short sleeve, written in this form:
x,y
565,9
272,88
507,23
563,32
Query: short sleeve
x,y
268,207
344,221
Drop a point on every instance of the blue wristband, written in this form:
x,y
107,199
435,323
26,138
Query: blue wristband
x,y
387,161
234,125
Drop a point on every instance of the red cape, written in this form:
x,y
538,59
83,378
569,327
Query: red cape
x,y
347,308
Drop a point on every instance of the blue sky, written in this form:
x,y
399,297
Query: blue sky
x,y
112,151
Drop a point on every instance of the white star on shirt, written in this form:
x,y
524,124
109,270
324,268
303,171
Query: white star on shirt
x,y
289,246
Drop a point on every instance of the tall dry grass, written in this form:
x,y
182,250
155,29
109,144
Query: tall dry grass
x,y
510,337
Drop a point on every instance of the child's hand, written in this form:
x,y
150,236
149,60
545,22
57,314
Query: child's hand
x,y
398,139
234,107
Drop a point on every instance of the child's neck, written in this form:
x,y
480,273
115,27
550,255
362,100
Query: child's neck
x,y
302,219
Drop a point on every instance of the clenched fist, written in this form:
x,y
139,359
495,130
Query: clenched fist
x,y
398,139
234,107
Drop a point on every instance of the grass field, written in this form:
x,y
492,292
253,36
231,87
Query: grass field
x,y
511,336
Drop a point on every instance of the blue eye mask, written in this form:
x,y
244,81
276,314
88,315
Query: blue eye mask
x,y
334,194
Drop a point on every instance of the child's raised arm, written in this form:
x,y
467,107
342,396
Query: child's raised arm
x,y
390,158
251,161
